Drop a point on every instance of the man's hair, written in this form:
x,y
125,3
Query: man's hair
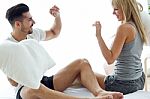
x,y
15,12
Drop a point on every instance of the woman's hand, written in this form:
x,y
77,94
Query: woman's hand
x,y
98,28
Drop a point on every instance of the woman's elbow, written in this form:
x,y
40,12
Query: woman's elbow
x,y
110,61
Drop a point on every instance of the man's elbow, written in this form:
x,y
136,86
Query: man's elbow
x,y
55,32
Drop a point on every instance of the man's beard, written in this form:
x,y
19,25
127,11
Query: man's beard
x,y
30,31
27,32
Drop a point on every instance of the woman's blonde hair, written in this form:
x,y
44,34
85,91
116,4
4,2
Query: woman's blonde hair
x,y
131,12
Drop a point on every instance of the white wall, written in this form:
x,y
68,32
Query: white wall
x,y
77,38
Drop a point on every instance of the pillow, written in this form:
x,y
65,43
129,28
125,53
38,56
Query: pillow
x,y
146,22
25,62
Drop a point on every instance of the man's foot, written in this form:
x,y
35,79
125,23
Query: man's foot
x,y
116,95
104,97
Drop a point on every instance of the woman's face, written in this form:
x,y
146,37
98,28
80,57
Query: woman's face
x,y
119,13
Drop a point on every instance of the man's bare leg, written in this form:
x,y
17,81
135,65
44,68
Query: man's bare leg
x,y
46,93
81,69
101,79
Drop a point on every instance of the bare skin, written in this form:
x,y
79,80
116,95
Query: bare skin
x,y
79,69
45,93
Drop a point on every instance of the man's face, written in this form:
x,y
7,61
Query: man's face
x,y
27,23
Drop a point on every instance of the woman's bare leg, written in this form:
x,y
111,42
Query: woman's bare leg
x,y
100,78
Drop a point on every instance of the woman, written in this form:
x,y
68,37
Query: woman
x,y
126,49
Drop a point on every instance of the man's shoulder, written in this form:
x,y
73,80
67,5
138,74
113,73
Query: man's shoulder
x,y
37,34
35,30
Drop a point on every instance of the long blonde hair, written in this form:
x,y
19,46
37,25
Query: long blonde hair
x,y
131,12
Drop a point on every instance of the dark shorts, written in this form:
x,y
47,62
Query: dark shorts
x,y
124,86
47,81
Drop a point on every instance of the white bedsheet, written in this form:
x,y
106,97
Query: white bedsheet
x,y
85,93
8,93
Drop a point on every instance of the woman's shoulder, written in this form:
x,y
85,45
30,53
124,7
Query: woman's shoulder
x,y
127,27
127,30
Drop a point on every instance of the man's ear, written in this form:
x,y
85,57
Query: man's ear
x,y
17,23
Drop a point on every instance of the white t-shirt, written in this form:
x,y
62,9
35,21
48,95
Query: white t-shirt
x,y
37,34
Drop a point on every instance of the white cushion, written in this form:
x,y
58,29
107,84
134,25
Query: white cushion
x,y
25,62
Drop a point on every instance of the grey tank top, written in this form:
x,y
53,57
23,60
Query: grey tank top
x,y
128,65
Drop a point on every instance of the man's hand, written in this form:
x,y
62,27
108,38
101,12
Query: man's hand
x,y
12,82
54,11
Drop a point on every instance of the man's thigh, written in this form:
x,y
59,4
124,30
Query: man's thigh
x,y
26,92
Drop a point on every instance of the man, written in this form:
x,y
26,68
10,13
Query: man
x,y
21,21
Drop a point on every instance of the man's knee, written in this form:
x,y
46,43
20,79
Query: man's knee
x,y
81,64
28,93
84,63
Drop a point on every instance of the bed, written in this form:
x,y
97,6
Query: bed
x,y
85,93
8,93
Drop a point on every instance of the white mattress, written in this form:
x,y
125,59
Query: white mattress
x,y
9,93
85,93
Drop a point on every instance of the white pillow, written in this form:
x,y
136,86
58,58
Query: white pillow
x,y
25,62
146,21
